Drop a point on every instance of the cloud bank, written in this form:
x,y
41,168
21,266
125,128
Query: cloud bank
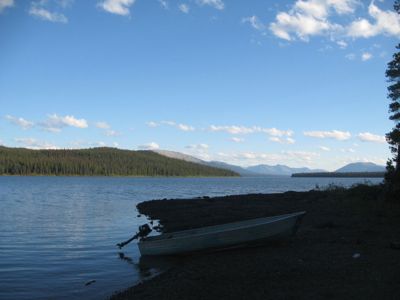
x,y
334,19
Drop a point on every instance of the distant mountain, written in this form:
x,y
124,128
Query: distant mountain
x,y
215,164
279,170
361,167
237,169
258,170
178,155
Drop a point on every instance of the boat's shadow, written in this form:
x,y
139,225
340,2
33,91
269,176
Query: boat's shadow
x,y
150,266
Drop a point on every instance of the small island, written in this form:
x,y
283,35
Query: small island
x,y
342,174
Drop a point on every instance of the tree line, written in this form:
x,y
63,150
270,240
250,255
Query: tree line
x,y
392,176
99,162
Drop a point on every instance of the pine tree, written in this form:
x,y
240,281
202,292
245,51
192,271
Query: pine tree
x,y
392,177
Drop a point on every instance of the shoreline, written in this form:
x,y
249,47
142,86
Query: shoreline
x,y
342,249
114,176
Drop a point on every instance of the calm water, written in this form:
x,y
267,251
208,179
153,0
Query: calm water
x,y
57,233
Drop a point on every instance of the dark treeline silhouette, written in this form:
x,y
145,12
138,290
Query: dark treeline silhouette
x,y
99,162
342,174
392,177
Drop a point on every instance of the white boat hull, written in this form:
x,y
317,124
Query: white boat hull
x,y
221,236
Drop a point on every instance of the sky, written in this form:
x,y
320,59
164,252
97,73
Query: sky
x,y
299,82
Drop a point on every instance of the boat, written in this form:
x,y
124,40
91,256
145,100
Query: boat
x,y
221,236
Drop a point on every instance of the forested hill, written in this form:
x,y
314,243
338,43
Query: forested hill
x,y
99,162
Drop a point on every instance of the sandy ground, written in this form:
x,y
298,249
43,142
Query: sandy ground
x,y
346,248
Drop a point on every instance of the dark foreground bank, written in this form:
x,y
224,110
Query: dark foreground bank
x,y
346,248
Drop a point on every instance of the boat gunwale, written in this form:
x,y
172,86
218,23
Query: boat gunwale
x,y
184,234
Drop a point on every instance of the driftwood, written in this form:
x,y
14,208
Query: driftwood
x,y
144,230
90,282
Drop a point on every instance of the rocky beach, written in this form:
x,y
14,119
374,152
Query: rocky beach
x,y
346,248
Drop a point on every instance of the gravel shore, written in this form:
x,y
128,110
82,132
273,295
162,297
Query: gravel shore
x,y
346,248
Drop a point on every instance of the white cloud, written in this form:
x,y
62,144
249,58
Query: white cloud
x,y
317,9
334,134
180,126
149,146
350,56
232,129
107,129
282,140
369,137
343,6
55,123
21,122
184,8
217,4
118,7
384,22
309,18
361,28
237,139
32,143
366,56
275,139
254,22
349,150
198,146
324,148
79,144
102,125
184,127
5,4
290,140
99,144
152,124
303,26
235,129
277,132
71,121
342,44
169,123
301,156
46,15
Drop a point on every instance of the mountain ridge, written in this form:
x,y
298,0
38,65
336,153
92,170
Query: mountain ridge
x,y
273,170
256,170
280,169
361,167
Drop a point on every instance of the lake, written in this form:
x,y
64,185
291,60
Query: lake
x,y
58,233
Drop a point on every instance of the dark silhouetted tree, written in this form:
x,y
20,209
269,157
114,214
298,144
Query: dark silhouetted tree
x,y
393,137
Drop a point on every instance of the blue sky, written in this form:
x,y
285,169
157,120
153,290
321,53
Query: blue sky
x,y
299,83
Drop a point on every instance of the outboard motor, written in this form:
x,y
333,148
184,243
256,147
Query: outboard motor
x,y
144,231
